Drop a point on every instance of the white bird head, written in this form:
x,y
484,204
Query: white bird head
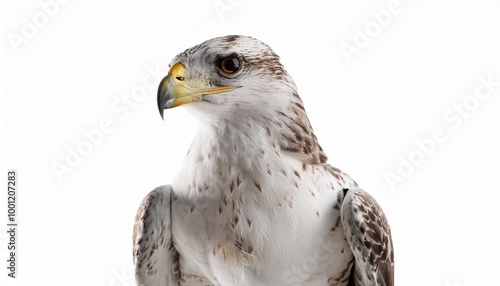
x,y
227,78
232,80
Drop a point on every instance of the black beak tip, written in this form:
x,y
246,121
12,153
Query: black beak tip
x,y
161,105
161,113
161,99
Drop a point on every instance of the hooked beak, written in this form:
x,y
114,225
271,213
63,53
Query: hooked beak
x,y
177,89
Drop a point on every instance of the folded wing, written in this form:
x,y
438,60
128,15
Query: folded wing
x,y
369,237
155,258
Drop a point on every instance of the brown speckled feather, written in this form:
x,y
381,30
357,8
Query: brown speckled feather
x,y
155,258
369,237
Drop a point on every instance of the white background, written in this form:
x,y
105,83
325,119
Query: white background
x,y
368,113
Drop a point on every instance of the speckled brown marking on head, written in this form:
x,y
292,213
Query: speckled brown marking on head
x,y
232,38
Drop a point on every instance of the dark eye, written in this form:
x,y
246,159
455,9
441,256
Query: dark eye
x,y
229,65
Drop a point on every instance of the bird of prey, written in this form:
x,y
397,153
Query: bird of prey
x,y
255,202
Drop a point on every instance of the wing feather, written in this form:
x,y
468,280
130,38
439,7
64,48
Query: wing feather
x,y
155,258
369,237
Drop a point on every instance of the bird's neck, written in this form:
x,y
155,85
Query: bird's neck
x,y
251,147
227,156
245,144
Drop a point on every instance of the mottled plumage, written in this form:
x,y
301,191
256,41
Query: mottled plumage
x,y
255,202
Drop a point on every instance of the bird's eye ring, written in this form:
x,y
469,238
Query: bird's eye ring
x,y
229,65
